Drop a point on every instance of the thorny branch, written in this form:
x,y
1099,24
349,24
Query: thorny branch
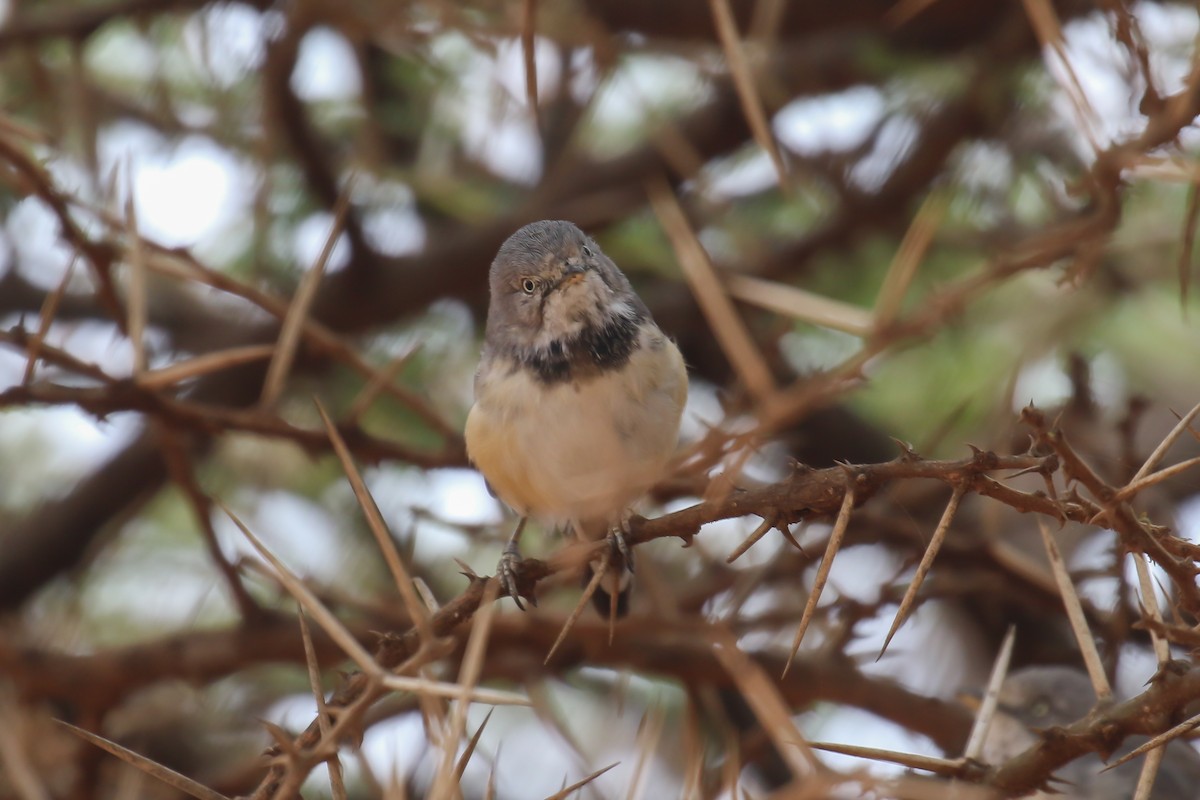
x,y
816,494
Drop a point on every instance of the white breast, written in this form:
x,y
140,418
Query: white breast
x,y
579,451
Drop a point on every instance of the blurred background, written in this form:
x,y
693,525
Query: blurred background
x,y
925,215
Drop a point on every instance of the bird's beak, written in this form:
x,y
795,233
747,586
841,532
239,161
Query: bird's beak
x,y
573,272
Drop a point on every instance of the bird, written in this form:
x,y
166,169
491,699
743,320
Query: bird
x,y
578,397
1035,698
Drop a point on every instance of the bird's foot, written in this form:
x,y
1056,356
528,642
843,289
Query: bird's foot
x,y
507,572
612,596
618,544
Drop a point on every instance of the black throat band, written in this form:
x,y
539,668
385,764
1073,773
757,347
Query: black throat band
x,y
597,348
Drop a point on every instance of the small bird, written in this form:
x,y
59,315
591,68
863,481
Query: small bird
x,y
1036,698
578,395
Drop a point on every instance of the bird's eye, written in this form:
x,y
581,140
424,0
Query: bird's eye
x,y
528,285
587,251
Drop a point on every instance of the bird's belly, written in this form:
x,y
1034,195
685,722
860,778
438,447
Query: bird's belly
x,y
578,451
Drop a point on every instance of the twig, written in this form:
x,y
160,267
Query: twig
x,y
728,327
1159,741
814,594
1162,650
325,618
444,783
529,51
987,709
931,551
14,757
1075,615
1134,487
293,321
1188,240
1149,772
800,304
759,532
387,546
598,574
146,765
763,697
337,785
567,791
137,313
1165,444
743,81
912,249
948,767
45,320
649,732
460,767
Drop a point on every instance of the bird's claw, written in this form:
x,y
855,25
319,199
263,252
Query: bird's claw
x,y
507,573
619,545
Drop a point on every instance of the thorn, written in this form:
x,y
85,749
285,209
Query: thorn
x,y
1027,471
786,531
